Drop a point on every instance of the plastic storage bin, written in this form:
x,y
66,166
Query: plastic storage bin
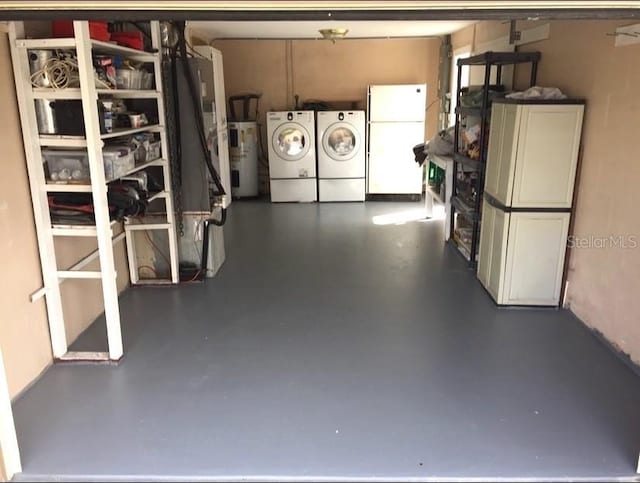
x,y
66,165
153,152
133,40
133,79
128,79
98,30
118,161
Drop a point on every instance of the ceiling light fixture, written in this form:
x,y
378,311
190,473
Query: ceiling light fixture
x,y
333,34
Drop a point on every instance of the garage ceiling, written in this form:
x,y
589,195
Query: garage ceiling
x,y
309,29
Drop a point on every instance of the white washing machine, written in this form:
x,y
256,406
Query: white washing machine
x,y
341,156
292,156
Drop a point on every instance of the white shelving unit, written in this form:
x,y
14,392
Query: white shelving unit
x,y
431,196
93,141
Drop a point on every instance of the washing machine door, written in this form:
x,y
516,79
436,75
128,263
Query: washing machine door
x,y
341,141
291,141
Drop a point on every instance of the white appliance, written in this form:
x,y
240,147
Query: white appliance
x,y
191,244
528,193
243,151
213,94
341,155
292,156
396,123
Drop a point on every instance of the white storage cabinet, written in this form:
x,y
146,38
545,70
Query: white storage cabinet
x,y
528,193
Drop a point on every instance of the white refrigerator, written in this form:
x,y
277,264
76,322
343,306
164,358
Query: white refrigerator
x,y
528,195
395,124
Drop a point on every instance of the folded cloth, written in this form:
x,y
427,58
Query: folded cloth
x,y
420,153
537,92
442,143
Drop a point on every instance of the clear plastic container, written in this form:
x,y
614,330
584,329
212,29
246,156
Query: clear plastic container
x,y
153,151
118,161
133,79
147,80
66,166
128,79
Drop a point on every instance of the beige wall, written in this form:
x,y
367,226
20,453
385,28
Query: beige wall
x,y
479,33
581,59
24,334
318,69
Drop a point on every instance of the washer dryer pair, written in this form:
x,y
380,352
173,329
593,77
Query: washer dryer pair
x,y
292,156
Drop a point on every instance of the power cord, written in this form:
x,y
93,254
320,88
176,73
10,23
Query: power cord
x,y
60,72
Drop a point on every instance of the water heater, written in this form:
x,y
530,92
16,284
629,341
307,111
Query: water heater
x,y
243,154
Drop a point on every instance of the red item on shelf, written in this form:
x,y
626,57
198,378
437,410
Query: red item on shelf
x,y
133,40
97,30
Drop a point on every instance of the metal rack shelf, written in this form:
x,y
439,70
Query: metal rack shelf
x,y
500,58
103,227
464,208
469,111
467,161
461,161
462,247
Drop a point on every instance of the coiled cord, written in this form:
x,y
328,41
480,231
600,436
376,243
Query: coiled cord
x,y
60,72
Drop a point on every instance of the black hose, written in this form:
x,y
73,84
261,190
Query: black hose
x,y
222,220
176,112
204,261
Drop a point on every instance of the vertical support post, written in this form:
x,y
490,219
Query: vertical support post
x,y
132,257
534,72
166,171
449,176
456,146
483,161
98,188
8,437
37,185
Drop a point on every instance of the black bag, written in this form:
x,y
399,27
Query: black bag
x,y
77,208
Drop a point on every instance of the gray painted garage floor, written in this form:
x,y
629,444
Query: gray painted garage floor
x,y
335,344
